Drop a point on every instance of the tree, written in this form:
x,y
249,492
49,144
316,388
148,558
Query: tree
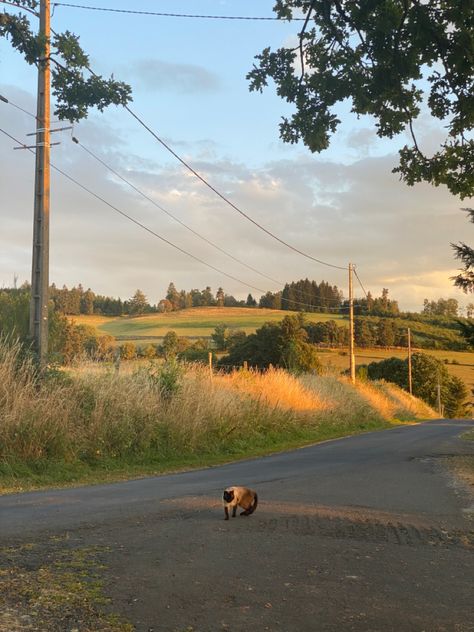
x,y
74,91
271,300
172,295
220,297
206,297
442,307
387,57
251,302
220,336
279,344
465,280
138,303
426,371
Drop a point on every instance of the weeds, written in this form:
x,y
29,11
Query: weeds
x,y
94,417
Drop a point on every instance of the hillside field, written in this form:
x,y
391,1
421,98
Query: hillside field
x,y
199,322
463,366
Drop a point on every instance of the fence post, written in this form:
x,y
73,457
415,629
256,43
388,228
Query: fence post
x,y
210,366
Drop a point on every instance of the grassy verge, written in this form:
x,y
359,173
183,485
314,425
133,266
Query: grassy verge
x,y
17,476
93,425
55,587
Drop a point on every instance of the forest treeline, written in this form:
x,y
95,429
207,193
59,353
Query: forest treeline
x,y
303,295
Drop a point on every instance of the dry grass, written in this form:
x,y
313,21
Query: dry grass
x,y
94,415
275,388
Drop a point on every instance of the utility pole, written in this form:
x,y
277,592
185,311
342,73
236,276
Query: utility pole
x,y
409,362
40,263
351,327
438,388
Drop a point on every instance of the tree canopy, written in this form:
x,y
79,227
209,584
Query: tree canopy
x,y
75,87
393,60
463,252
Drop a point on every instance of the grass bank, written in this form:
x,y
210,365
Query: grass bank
x,y
93,424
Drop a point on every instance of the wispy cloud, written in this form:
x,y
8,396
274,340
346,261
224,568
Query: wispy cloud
x,y
155,75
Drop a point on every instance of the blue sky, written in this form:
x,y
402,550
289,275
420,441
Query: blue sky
x,y
188,80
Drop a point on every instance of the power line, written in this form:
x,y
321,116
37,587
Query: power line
x,y
176,219
208,184
173,15
194,232
360,282
135,188
217,192
224,198
155,234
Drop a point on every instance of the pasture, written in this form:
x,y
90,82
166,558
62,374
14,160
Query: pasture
x,y
198,322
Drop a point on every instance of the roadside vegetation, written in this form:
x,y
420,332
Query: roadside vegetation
x,y
92,423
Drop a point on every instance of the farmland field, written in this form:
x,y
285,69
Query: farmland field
x,y
463,366
192,323
199,322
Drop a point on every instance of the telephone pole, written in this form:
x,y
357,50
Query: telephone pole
x,y
351,327
40,263
409,363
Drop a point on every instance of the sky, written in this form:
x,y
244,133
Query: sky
x,y
188,78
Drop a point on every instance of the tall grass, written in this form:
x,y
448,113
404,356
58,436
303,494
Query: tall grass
x,y
99,416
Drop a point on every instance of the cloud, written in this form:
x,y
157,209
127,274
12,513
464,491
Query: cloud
x,y
154,75
398,236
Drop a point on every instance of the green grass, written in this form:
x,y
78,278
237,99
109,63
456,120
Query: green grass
x,y
193,323
53,586
17,476
92,424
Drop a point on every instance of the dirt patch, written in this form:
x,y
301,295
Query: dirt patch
x,y
345,523
462,467
55,587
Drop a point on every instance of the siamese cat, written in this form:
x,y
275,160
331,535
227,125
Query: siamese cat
x,y
242,497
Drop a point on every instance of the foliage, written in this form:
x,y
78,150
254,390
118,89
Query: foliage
x,y
138,304
271,300
74,91
158,416
166,378
378,306
467,331
14,313
427,371
465,254
281,344
128,351
310,296
196,355
220,337
173,344
387,57
442,307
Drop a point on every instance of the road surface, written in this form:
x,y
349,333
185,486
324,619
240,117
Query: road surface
x,y
366,533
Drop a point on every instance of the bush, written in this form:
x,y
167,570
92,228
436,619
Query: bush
x,y
426,372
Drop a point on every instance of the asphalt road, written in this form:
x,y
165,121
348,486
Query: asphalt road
x,y
367,533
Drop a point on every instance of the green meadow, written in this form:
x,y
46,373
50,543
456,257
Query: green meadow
x,y
193,323
199,322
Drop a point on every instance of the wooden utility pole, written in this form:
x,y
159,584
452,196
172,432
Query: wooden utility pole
x,y
351,327
409,362
40,263
438,389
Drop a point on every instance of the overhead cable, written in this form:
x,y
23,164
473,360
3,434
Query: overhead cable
x,y
173,15
225,199
157,235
